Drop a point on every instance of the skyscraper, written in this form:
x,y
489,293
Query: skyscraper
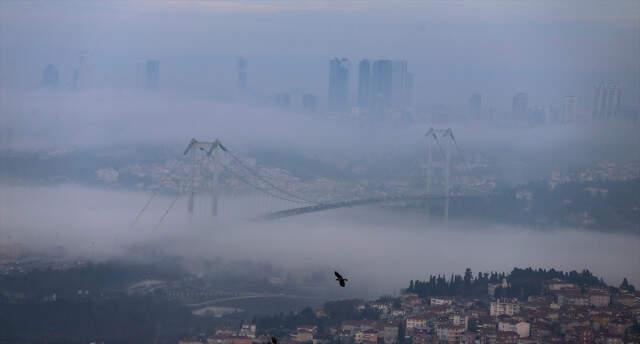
x,y
401,83
75,82
283,101
637,115
50,77
607,101
380,96
538,116
569,109
339,85
152,74
364,84
475,106
520,107
309,103
242,73
409,89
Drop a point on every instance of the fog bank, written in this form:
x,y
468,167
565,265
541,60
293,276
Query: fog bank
x,y
379,249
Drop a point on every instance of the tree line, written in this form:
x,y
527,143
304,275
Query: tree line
x,y
522,283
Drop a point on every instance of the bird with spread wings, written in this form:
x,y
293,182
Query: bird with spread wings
x,y
341,280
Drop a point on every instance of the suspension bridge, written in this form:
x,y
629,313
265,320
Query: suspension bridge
x,y
204,162
357,202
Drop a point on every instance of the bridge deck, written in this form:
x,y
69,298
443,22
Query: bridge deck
x,y
351,203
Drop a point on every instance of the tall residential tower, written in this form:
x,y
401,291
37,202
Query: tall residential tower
x,y
364,85
520,107
339,85
381,87
152,74
242,73
607,101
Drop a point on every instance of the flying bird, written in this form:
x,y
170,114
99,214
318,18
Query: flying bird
x,y
340,279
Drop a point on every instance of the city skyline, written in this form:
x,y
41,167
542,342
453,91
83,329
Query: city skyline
x,y
371,92
446,72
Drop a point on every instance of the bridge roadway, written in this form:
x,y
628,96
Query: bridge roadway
x,y
248,297
354,203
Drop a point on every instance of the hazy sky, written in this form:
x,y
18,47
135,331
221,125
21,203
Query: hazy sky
x,y
547,48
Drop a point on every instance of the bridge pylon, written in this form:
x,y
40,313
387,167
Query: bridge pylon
x,y
440,143
205,157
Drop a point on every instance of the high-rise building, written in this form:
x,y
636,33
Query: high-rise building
x,y
475,106
140,75
338,85
637,115
384,86
520,107
538,115
364,84
409,89
283,101
50,77
75,82
152,74
569,109
242,73
380,97
607,101
401,86
309,103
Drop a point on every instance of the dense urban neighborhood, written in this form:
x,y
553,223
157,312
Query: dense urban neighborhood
x,y
570,308
81,302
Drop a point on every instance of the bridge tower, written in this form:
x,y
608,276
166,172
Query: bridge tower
x,y
215,154
192,179
440,142
214,183
205,157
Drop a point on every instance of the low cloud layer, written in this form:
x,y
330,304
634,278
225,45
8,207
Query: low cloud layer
x,y
66,120
378,249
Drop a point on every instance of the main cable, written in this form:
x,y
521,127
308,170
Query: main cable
x,y
244,180
152,197
175,199
166,212
266,181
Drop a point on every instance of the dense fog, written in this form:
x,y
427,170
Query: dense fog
x,y
98,108
381,250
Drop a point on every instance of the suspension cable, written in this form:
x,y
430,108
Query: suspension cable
x,y
175,199
266,181
166,212
153,196
244,180
464,160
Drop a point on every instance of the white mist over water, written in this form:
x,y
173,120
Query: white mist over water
x,y
380,250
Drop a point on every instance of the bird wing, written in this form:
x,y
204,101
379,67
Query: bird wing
x,y
337,274
342,283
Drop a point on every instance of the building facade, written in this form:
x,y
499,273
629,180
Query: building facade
x,y
338,85
606,102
